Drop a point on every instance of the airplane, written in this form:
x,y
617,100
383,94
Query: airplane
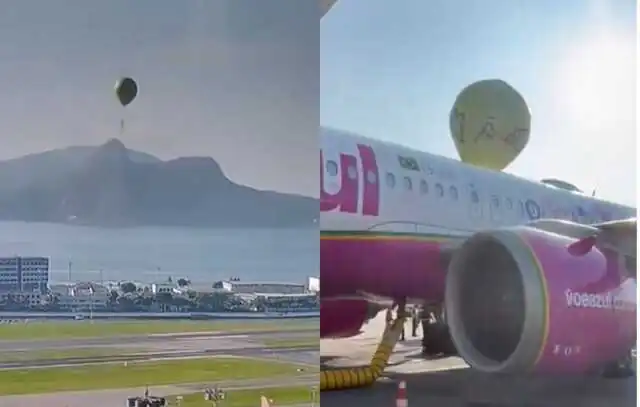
x,y
528,276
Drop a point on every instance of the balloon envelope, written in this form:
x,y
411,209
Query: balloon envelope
x,y
490,124
126,90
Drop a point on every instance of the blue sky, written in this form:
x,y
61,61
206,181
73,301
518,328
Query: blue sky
x,y
232,79
391,70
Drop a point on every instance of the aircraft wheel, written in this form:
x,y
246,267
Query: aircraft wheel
x,y
621,369
436,340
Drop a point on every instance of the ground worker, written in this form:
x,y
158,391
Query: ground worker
x,y
415,321
389,316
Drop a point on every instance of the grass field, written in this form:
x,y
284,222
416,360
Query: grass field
x,y
288,343
113,376
281,396
88,329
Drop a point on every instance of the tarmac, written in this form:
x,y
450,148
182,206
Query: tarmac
x,y
118,397
448,382
158,347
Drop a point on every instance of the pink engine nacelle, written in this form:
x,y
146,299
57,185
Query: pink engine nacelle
x,y
517,301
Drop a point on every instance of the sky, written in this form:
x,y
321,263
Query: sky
x,y
392,70
237,80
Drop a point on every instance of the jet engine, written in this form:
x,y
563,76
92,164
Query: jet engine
x,y
521,300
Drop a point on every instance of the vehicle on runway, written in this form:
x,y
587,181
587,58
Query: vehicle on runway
x,y
531,276
146,401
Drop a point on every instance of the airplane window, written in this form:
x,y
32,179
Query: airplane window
x,y
475,198
408,185
391,180
509,203
495,201
332,168
521,210
424,187
439,190
533,209
352,173
371,177
453,191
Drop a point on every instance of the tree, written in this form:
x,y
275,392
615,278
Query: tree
x,y
164,298
113,296
213,302
183,282
126,304
128,287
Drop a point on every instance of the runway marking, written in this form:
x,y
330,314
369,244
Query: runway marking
x,y
197,334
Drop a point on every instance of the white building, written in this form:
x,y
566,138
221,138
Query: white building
x,y
24,274
313,285
82,297
267,287
25,298
82,303
222,286
158,288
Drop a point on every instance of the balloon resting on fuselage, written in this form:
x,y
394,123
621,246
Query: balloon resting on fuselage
x,y
490,124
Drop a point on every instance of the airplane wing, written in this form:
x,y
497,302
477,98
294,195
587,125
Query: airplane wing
x,y
618,235
621,236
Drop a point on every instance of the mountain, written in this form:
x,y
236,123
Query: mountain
x,y
113,186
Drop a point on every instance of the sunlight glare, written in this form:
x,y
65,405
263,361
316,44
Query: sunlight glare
x,y
594,81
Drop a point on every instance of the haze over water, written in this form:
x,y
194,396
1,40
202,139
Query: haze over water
x,y
153,253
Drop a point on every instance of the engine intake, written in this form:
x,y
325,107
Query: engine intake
x,y
516,300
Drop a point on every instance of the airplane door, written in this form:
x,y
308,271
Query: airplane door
x,y
496,210
331,176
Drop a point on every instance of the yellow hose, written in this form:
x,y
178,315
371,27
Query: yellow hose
x,y
348,378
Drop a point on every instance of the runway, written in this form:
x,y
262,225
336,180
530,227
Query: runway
x,y
136,340
449,382
163,346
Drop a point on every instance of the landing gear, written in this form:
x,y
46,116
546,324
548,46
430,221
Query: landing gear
x,y
621,369
436,340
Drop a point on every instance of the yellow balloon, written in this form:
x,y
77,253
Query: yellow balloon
x,y
490,124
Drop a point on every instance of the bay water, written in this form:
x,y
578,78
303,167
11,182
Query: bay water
x,y
149,254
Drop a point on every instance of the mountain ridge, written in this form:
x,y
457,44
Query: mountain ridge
x,y
113,186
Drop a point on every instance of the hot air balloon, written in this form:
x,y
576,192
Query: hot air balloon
x,y
490,124
126,91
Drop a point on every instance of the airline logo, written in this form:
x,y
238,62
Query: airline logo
x,y
354,174
615,300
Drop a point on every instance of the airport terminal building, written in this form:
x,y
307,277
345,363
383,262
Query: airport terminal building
x,y
266,287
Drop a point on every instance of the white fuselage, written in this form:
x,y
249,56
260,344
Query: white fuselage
x,y
378,186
